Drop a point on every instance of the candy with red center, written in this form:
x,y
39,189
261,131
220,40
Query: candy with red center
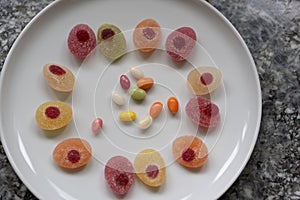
x,y
190,151
150,167
204,80
81,40
124,82
119,175
203,112
147,35
59,77
97,125
72,153
111,41
53,115
180,43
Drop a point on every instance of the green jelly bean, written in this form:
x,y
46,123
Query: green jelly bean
x,y
137,94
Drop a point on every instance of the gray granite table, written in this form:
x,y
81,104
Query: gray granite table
x,y
271,29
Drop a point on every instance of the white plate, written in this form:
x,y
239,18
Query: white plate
x,y
23,89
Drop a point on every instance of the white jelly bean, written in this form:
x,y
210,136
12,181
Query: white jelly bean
x,y
136,72
118,98
145,122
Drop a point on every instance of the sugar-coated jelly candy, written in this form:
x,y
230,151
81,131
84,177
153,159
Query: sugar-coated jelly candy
x,y
111,41
204,80
72,153
203,112
147,35
119,175
53,115
150,167
173,105
127,116
190,151
81,40
180,43
59,77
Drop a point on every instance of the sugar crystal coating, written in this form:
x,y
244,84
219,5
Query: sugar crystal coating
x,y
119,175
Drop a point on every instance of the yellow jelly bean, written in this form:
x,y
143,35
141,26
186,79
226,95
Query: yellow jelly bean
x,y
127,116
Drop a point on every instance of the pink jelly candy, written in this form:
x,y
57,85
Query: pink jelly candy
x,y
203,112
125,82
180,43
97,125
81,40
119,174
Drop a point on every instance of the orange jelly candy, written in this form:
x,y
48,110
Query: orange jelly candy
x,y
173,105
147,35
72,153
150,167
190,151
53,115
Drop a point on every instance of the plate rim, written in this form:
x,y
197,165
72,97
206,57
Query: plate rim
x,y
203,2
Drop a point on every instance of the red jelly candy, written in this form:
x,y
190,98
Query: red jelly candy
x,y
119,174
81,40
203,112
180,43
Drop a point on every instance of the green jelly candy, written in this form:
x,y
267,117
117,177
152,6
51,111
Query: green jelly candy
x,y
137,94
111,41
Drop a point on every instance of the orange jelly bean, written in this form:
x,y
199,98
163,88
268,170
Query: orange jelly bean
x,y
145,83
173,105
155,109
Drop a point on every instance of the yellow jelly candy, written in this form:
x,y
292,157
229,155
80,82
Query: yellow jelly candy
x,y
150,167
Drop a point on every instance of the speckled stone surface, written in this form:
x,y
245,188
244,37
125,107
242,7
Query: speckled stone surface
x,y
271,29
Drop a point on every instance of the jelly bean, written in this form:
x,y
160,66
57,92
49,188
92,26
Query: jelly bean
x,y
190,151
97,125
127,116
173,105
136,72
155,109
72,153
125,82
118,98
145,83
145,122
137,94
